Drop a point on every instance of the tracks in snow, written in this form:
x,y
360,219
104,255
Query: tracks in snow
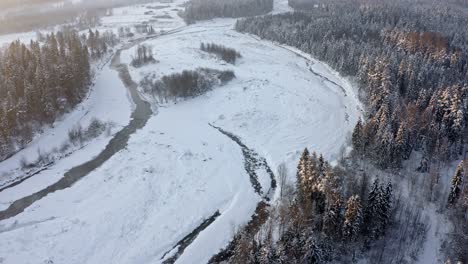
x,y
17,225
308,60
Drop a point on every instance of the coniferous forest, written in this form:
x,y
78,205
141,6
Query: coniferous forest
x,y
208,9
43,80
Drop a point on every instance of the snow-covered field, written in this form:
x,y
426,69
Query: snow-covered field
x,y
161,16
178,170
281,6
23,37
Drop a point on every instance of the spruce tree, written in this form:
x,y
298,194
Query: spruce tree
x,y
301,174
387,205
357,138
352,218
371,209
457,181
333,219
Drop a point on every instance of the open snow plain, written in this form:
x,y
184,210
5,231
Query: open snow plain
x,y
178,170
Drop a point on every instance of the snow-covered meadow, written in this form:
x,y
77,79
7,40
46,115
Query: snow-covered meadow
x,y
161,15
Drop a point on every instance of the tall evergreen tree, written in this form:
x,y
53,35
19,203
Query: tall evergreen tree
x,y
371,210
457,181
352,218
357,138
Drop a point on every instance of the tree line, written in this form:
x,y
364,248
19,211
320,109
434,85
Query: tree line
x,y
208,9
228,55
42,80
188,83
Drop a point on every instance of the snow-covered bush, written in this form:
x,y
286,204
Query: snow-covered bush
x,y
143,55
227,54
185,84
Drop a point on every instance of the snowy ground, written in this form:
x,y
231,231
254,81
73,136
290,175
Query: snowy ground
x,y
281,6
23,37
178,170
160,15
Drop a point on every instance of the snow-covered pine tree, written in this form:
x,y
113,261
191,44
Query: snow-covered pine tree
x,y
357,140
312,252
314,184
382,210
387,205
302,174
371,209
330,186
399,149
267,253
333,219
457,180
321,165
244,251
352,218
309,178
